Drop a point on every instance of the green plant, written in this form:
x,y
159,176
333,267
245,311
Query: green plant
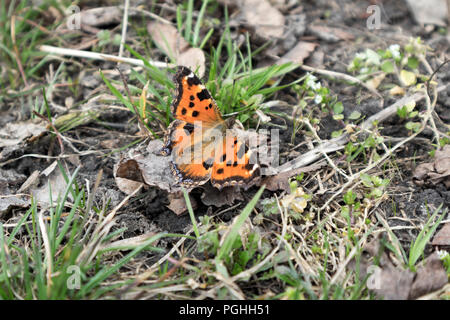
x,y
424,236
54,254
403,62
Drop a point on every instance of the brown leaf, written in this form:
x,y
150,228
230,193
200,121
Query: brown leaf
x,y
103,16
299,53
214,197
330,34
146,164
429,11
267,20
54,185
194,59
442,238
12,134
10,201
430,277
167,38
170,41
177,203
434,172
394,283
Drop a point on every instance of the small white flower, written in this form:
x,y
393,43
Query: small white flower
x,y
318,99
317,86
312,84
442,254
395,50
311,77
364,70
360,55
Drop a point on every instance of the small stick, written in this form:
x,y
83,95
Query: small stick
x,y
124,26
101,56
343,76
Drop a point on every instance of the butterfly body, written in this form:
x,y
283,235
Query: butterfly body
x,y
200,142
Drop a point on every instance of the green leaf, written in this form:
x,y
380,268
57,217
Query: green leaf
x,y
355,115
338,108
366,180
387,66
372,57
413,62
408,78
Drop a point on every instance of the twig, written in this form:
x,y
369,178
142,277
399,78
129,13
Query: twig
x,y
16,51
124,26
385,156
101,56
343,76
339,142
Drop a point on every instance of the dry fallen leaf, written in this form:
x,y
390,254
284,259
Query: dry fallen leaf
x,y
53,185
280,181
167,38
394,283
434,172
170,41
330,34
214,197
429,11
194,59
375,81
102,16
442,238
7,202
299,53
13,133
430,277
177,203
267,20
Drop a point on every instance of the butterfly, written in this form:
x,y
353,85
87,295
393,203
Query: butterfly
x,y
200,142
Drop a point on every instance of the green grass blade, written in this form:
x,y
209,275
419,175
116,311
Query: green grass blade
x,y
231,237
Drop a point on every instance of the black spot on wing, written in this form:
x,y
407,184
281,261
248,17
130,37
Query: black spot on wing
x,y
249,167
193,81
223,158
219,171
195,113
183,111
203,95
208,163
189,128
191,104
192,98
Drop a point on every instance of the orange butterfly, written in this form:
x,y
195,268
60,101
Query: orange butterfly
x,y
200,143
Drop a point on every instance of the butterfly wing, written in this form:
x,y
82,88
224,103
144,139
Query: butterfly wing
x,y
235,166
196,140
193,101
184,143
